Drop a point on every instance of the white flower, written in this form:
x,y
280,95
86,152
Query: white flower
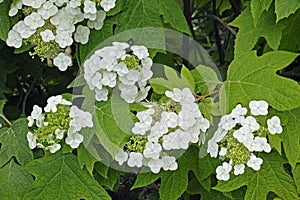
x,y
169,163
258,107
128,92
59,133
108,4
170,118
34,20
14,39
203,123
239,169
82,34
254,162
1,125
212,148
54,148
98,22
155,165
274,125
262,144
222,151
33,3
64,39
135,159
53,101
101,95
24,30
170,141
121,156
223,171
227,122
80,119
243,135
74,139
89,7
47,35
140,128
109,79
62,61
183,139
186,119
47,10
250,123
31,138
238,111
152,150
140,51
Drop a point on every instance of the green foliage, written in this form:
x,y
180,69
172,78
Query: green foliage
x,y
291,137
258,7
63,180
251,77
249,34
174,183
283,8
160,85
4,20
205,78
114,125
271,177
15,181
14,143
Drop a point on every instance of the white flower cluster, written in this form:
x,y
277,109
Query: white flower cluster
x,y
60,118
55,21
238,136
122,65
166,127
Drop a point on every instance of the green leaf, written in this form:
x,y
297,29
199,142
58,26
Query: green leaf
x,y
144,179
115,121
15,180
258,7
111,180
284,8
248,34
275,141
4,20
296,173
14,143
290,33
205,78
252,78
85,158
63,180
291,137
160,85
271,177
186,74
173,14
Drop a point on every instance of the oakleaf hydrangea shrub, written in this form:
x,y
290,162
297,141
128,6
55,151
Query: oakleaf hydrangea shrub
x,y
165,126
52,26
127,67
60,121
239,136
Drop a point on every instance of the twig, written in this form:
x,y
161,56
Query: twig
x,y
6,120
223,23
217,36
27,94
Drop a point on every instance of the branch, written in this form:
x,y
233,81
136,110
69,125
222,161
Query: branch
x,y
6,120
223,23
